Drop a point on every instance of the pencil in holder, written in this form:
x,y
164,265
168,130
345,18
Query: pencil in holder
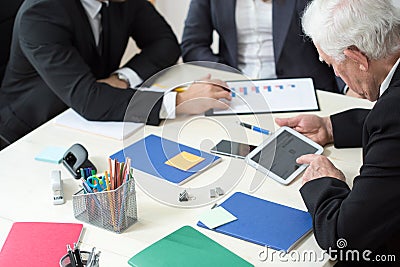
x,y
114,210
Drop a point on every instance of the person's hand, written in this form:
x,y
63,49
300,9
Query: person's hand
x,y
318,129
203,95
114,82
319,166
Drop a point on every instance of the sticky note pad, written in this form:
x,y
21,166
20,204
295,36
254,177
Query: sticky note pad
x,y
216,217
52,154
184,161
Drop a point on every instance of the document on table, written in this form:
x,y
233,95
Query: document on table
x,y
115,130
264,96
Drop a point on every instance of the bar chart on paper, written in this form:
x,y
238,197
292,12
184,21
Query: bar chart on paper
x,y
281,95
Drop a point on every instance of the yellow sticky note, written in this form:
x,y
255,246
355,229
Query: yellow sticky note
x,y
184,161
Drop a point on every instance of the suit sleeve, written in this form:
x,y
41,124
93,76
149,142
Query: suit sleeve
x,y
155,38
366,216
48,45
348,127
198,33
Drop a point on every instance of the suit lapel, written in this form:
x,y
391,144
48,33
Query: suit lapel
x,y
395,82
105,21
86,34
226,24
282,15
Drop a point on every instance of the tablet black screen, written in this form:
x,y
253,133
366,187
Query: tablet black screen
x,y
282,161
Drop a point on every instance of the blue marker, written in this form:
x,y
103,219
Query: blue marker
x,y
255,128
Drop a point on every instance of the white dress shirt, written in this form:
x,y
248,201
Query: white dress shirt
x,y
255,42
92,8
388,79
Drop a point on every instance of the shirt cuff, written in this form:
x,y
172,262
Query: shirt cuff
x,y
167,110
132,76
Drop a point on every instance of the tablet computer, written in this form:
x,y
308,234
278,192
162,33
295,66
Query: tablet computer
x,y
277,155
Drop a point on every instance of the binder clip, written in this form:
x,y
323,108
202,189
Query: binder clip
x,y
184,196
75,158
217,191
213,193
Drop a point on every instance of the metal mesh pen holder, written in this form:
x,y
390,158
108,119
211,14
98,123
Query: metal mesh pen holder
x,y
113,210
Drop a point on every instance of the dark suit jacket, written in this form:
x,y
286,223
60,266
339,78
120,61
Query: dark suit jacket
x,y
8,11
54,64
368,216
294,55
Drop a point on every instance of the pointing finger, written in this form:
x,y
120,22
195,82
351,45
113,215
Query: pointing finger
x,y
307,159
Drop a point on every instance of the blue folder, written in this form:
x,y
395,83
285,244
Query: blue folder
x,y
263,222
150,154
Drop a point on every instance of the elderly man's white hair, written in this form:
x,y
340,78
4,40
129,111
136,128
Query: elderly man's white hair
x,y
373,26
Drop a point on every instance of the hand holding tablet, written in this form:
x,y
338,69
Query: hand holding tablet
x,y
277,155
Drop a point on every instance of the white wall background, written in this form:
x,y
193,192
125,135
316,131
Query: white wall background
x,y
174,12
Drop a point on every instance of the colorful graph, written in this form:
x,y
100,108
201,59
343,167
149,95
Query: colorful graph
x,y
256,89
259,96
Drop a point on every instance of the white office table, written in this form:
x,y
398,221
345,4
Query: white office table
x,y
25,192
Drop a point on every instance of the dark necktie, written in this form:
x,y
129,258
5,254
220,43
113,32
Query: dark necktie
x,y
104,34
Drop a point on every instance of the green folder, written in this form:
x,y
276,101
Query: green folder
x,y
186,247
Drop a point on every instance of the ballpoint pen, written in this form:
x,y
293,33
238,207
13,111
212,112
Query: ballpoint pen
x,y
77,254
71,256
90,258
255,128
96,259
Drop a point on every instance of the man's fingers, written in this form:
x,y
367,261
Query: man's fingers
x,y
223,94
219,82
290,122
205,78
307,159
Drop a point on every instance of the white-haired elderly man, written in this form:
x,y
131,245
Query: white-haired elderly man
x,y
360,39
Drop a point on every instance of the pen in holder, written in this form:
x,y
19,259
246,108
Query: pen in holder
x,y
113,210
65,261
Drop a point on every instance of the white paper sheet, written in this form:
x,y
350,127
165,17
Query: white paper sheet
x,y
115,130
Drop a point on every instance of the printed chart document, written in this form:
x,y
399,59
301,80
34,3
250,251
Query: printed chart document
x,y
115,130
264,96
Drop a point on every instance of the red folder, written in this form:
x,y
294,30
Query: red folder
x,y
38,244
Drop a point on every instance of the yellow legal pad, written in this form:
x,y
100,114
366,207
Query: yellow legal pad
x,y
184,161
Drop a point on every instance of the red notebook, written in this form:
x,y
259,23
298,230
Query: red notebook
x,y
38,244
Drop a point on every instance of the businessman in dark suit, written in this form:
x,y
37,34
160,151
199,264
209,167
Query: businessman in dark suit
x,y
8,11
294,56
360,39
66,53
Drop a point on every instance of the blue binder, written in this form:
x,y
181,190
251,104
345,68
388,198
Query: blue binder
x,y
263,222
150,154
